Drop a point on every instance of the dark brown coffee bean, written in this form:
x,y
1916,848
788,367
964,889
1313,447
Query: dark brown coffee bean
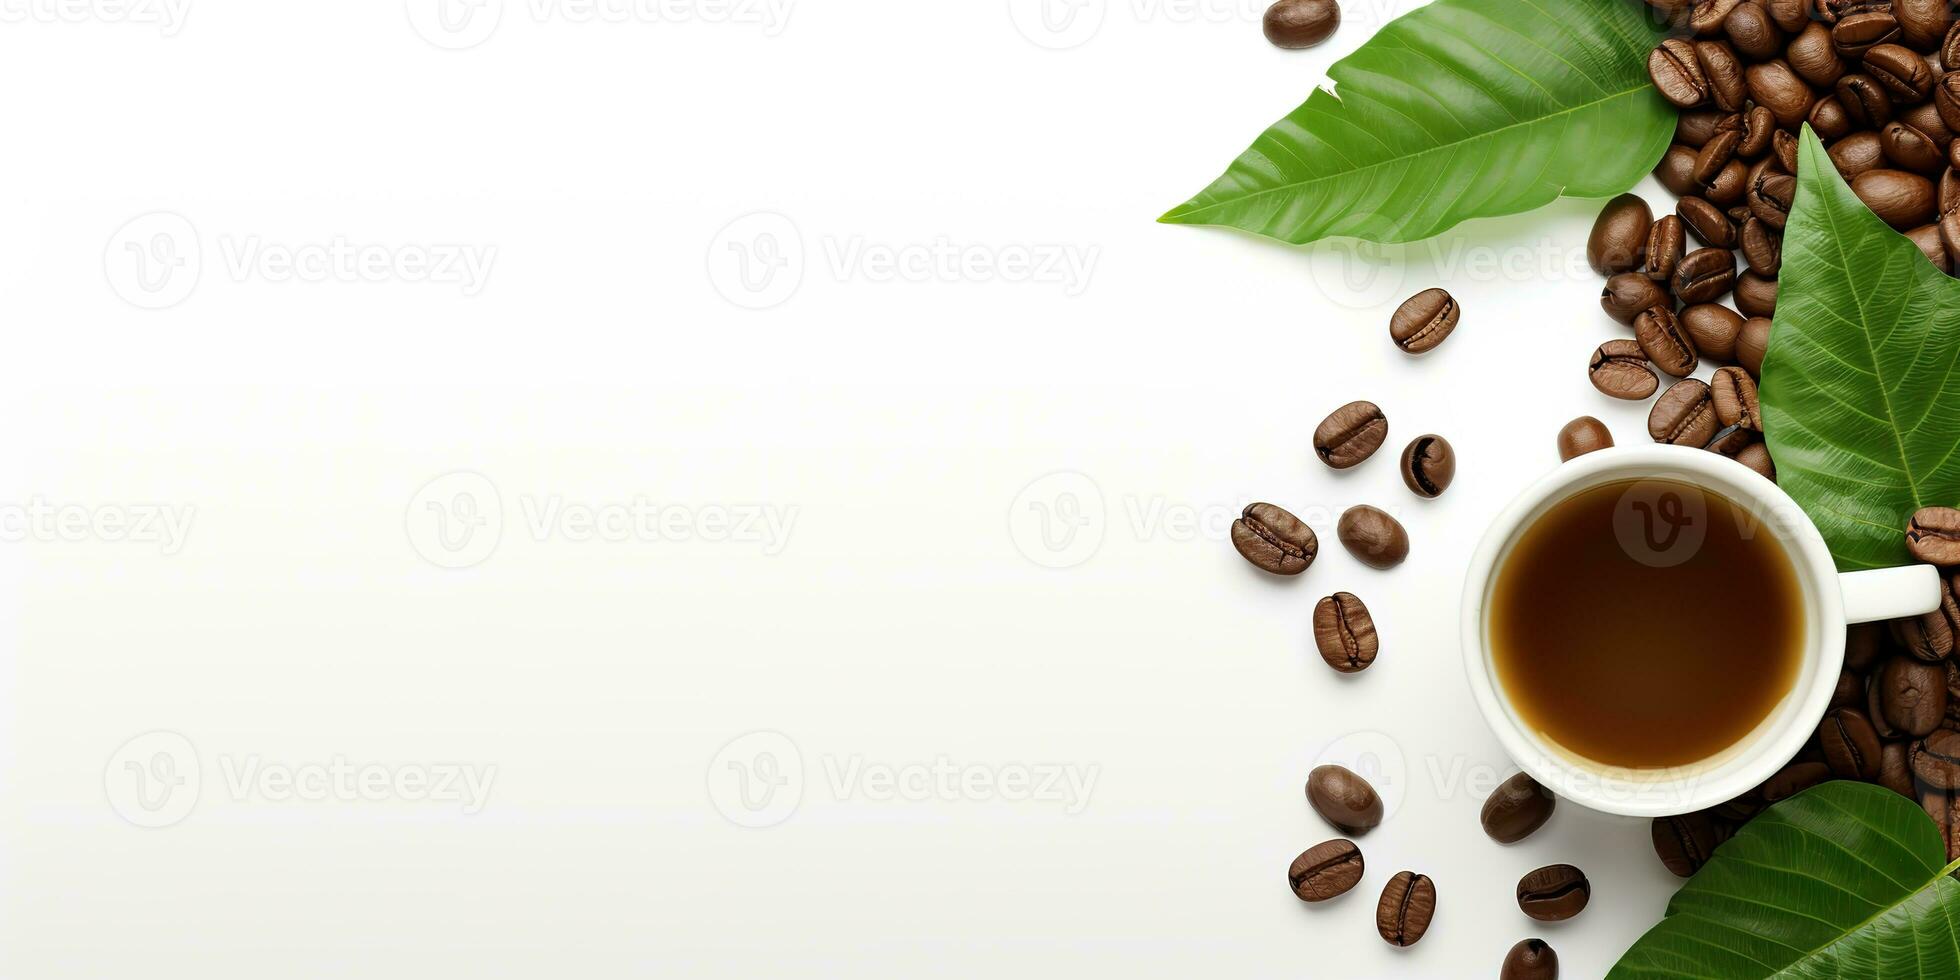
x,y
1830,120
1858,153
1619,370
1774,86
1910,149
1350,435
1752,33
1949,51
1863,648
1925,117
1684,415
1762,248
1943,806
1516,809
1713,328
1408,905
1686,842
1275,540
1758,132
1755,295
1532,959
1849,693
1554,893
1326,870
1424,321
1946,100
1676,170
1901,70
1931,245
1665,341
1583,435
1928,637
1875,706
1722,70
1866,103
1733,442
1735,399
1676,73
1769,199
1301,23
1729,188
1708,222
1949,192
1619,236
1696,127
1344,799
1814,58
1345,635
1949,226
1704,275
1667,241
1428,465
1793,779
1788,15
1372,537
1933,536
1902,200
1628,294
1752,343
1757,458
1895,769
1936,759
1922,23
1952,694
1851,746
1911,695
1857,33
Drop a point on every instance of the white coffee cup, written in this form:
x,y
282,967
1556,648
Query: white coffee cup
x,y
1831,602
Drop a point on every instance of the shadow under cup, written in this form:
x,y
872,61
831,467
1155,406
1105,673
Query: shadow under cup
x,y
1654,635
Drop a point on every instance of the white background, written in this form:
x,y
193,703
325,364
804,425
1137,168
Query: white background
x,y
902,427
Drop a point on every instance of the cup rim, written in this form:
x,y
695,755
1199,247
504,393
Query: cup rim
x,y
1765,752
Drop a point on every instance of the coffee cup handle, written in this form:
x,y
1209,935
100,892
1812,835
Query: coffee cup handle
x,y
1890,593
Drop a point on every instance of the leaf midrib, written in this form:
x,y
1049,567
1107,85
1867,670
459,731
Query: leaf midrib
x,y
1187,210
1932,882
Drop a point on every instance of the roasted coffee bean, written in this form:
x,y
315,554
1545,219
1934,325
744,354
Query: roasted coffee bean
x,y
1730,188
1949,226
1425,320
1933,536
1684,415
1428,465
1686,842
1858,153
1713,328
1667,241
1676,170
1849,693
1708,222
1554,893
1866,103
1928,637
1774,86
1762,247
1374,538
1911,695
1345,634
1733,442
1949,192
1903,200
1856,34
1722,70
1752,343
1704,275
1930,244
1769,199
1783,149
1694,128
1676,73
1936,759
1793,779
1922,23
1326,870
1949,52
1735,399
1619,235
1863,648
1895,769
1407,906
1814,58
1755,295
1705,17
1275,540
1630,293
1788,15
1583,435
1830,120
1909,149
1901,70
1301,23
1946,100
1944,807
1516,809
1875,706
1350,435
1756,457
1619,370
1925,117
1344,799
1532,959
1665,341
1850,744
1752,33
1758,131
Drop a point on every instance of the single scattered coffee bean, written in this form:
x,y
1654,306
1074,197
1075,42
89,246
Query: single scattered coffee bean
x,y
1301,23
1705,17
1676,169
1704,275
1326,870
1735,399
1909,149
1684,415
1755,295
1895,769
1344,799
1619,235
1751,31
1936,759
1829,119
1718,153
1429,465
1424,321
1862,28
1345,634
1911,695
1676,72
1903,200
1793,779
1516,809
1665,341
1901,70
1713,328
1667,241
1373,537
1533,959
1769,199
1933,536
1554,893
1922,23
1752,343
1762,247
1686,842
1932,245
1709,223
1814,58
1857,154
1925,117
1697,127
1629,294
1619,370
1866,103
1581,436
1722,70
1773,85
1850,743
1350,435
1758,132
1730,188
1275,540
1408,905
